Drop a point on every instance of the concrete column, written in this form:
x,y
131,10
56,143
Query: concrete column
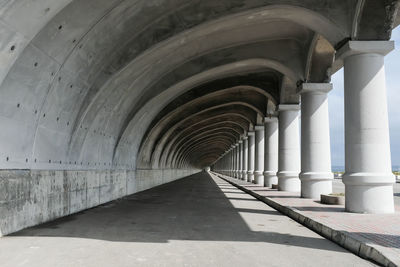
x,y
316,171
271,146
368,176
259,155
251,153
289,148
228,163
234,161
237,161
245,157
223,164
240,174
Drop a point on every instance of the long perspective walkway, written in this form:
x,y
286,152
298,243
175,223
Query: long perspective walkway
x,y
200,220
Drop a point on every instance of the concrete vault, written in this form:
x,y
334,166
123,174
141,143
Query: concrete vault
x,y
104,98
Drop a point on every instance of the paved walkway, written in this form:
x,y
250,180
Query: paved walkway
x,y
378,231
197,221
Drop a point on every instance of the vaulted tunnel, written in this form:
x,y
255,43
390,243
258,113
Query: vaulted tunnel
x,y
104,98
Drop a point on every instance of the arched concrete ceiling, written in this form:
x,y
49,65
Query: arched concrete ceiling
x,y
180,113
82,82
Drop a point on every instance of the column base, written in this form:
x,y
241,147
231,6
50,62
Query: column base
x,y
313,184
250,177
259,178
288,181
244,176
369,192
270,178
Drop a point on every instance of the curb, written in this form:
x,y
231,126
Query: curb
x,y
342,238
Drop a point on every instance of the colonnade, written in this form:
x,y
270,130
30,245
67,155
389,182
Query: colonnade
x,y
271,154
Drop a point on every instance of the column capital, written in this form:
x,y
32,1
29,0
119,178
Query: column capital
x,y
284,107
245,137
319,88
259,127
251,133
271,119
239,142
364,47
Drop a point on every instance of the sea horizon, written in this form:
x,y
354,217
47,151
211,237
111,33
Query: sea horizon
x,y
337,168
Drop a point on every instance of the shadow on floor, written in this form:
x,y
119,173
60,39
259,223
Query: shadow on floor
x,y
194,208
265,189
297,197
322,208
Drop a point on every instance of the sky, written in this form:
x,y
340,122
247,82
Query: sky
x,y
336,107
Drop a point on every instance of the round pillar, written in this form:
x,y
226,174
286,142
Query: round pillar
x,y
237,161
289,149
271,151
316,174
245,157
234,161
259,155
251,153
368,173
240,174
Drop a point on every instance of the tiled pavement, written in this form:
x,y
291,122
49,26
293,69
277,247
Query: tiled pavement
x,y
381,232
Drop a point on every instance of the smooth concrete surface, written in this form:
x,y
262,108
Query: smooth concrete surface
x,y
368,175
250,156
338,187
370,236
259,155
271,143
236,160
29,198
160,84
107,49
289,148
196,221
245,158
316,175
240,151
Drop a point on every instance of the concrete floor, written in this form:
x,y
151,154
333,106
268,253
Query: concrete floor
x,y
338,187
197,221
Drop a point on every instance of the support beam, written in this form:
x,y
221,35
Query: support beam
x,y
316,172
368,176
289,148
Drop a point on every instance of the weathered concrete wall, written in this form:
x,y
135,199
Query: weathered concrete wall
x,y
31,197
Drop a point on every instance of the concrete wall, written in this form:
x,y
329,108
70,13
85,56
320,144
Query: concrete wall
x,y
31,197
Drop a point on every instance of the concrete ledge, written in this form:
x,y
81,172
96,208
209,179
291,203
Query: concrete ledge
x,y
349,241
32,197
